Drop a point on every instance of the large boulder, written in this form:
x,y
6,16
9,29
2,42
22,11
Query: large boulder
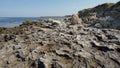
x,y
75,19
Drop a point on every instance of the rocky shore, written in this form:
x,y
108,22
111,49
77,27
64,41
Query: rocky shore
x,y
89,39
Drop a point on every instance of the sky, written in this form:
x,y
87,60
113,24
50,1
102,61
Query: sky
x,y
37,8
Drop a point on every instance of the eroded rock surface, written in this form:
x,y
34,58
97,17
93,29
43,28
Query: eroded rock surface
x,y
59,44
73,46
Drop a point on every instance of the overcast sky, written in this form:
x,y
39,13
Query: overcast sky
x,y
37,8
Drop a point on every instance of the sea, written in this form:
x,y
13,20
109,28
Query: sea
x,y
9,22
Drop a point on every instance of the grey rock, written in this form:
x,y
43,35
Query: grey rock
x,y
98,25
56,65
72,43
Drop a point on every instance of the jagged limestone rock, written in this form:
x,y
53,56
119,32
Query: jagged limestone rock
x,y
47,44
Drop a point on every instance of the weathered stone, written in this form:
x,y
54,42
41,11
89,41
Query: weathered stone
x,y
75,19
56,65
58,44
98,25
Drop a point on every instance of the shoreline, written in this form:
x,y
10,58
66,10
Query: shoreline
x,y
88,39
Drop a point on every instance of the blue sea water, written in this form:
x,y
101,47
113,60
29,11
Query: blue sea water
x,y
15,21
9,22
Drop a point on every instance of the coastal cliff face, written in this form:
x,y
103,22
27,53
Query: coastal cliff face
x,y
108,15
78,42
